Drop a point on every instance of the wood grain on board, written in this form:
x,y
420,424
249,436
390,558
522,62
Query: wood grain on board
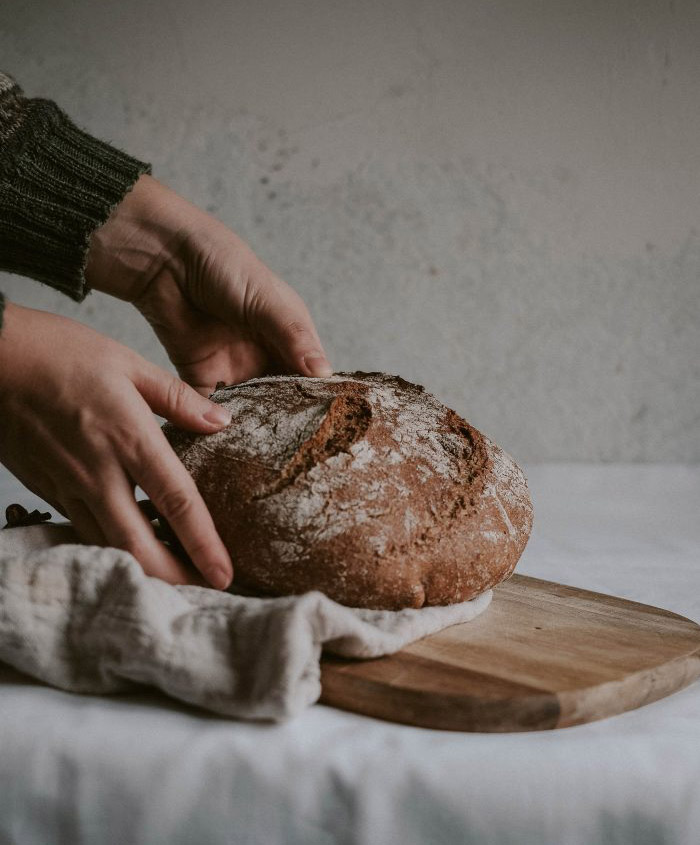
x,y
543,655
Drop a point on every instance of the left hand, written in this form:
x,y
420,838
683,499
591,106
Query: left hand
x,y
78,430
219,311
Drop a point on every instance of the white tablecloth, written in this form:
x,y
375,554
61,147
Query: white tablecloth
x,y
140,769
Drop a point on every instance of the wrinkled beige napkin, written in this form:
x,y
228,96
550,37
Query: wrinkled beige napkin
x,y
87,619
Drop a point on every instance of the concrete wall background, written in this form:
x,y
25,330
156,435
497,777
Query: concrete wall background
x,y
500,200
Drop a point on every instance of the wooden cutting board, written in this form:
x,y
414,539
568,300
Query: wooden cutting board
x,y
542,656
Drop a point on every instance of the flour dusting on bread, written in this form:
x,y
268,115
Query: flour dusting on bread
x,y
362,485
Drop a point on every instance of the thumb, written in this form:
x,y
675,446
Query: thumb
x,y
175,400
284,322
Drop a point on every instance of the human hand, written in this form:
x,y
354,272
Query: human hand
x,y
78,431
220,313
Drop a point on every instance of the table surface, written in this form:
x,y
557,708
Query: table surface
x,y
141,768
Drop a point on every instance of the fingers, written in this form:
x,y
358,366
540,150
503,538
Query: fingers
x,y
85,524
114,519
164,479
124,530
297,343
279,314
175,400
152,464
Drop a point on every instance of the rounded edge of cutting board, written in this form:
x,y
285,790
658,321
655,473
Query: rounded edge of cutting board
x,y
409,688
433,709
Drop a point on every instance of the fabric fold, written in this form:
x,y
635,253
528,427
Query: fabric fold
x,y
87,619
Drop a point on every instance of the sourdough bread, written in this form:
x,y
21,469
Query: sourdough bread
x,y
361,485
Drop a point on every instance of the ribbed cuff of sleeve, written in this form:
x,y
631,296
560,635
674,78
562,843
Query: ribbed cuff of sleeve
x,y
57,185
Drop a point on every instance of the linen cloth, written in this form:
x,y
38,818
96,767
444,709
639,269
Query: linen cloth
x,y
87,619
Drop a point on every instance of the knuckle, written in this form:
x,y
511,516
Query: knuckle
x,y
174,504
254,302
178,395
84,420
296,329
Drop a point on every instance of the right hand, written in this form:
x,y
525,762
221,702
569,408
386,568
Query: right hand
x,y
219,311
77,430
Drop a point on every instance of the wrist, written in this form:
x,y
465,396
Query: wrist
x,y
141,237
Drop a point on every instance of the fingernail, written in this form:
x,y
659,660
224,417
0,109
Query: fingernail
x,y
218,415
220,579
318,365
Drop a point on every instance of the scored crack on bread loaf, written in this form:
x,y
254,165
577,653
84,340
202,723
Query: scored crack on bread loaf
x,y
361,485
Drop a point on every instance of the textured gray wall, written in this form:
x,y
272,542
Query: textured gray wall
x,y
500,200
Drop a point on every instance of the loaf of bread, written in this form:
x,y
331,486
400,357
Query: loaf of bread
x,y
361,485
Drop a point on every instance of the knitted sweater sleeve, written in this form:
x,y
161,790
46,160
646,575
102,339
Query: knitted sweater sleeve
x,y
57,185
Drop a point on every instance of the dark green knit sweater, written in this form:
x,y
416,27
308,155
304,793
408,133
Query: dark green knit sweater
x,y
57,185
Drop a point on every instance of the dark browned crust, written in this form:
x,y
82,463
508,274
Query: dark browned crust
x,y
469,530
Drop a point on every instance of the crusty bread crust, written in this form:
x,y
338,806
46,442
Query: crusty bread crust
x,y
361,485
